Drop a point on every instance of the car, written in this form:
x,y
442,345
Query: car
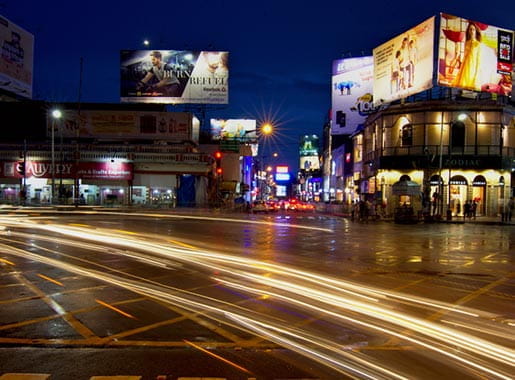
x,y
273,205
304,206
259,206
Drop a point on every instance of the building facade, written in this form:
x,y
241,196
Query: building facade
x,y
456,151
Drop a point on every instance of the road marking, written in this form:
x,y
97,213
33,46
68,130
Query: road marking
x,y
24,376
115,309
70,319
217,357
180,243
7,261
473,295
50,279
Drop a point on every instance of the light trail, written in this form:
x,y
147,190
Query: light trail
x,y
372,309
184,216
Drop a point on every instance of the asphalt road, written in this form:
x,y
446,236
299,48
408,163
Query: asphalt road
x,y
236,296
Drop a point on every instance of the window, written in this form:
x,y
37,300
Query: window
x,y
458,134
407,135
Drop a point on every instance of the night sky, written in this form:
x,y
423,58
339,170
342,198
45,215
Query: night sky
x,y
280,51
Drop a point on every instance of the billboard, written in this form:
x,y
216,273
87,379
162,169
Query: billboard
x,y
474,56
16,60
308,163
403,66
232,129
174,76
351,93
172,126
308,145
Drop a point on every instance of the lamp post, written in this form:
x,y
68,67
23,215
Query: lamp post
x,y
56,115
266,130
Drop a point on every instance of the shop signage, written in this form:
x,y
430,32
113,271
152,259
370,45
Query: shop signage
x,y
462,163
83,170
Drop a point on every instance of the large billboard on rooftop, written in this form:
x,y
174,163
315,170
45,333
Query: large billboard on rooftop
x,y
403,66
16,59
124,125
174,77
474,56
351,93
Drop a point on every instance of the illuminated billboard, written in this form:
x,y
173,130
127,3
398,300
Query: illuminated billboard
x,y
16,60
308,145
351,93
308,163
474,56
171,126
232,129
173,76
403,66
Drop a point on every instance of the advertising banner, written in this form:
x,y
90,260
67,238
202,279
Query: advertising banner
x,y
351,93
233,129
403,66
171,126
474,56
309,145
83,170
174,76
16,60
308,163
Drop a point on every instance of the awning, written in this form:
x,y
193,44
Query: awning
x,y
405,188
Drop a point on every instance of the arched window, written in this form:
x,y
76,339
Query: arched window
x,y
407,135
458,134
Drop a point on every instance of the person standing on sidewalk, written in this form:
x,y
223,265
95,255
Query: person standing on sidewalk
x,y
511,206
466,210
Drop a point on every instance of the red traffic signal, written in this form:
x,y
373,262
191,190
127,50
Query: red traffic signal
x,y
218,155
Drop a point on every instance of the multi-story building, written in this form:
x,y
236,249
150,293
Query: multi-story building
x,y
436,155
101,154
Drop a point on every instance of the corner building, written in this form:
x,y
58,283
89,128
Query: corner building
x,y
455,150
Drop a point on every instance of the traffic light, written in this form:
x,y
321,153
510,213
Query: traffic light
x,y
218,160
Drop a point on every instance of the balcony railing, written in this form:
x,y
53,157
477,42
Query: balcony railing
x,y
434,150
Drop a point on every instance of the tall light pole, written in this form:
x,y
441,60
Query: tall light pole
x,y
56,115
266,130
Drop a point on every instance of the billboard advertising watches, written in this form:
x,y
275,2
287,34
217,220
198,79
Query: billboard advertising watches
x,y
474,56
351,93
16,59
174,77
403,66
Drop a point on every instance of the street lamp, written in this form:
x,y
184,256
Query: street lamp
x,y
265,130
56,115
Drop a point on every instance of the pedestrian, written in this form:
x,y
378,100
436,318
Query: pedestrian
x,y
466,210
511,206
473,209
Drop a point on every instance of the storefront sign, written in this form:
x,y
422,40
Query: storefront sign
x,y
105,170
83,170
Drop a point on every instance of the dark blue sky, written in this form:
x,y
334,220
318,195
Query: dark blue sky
x,y
280,51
